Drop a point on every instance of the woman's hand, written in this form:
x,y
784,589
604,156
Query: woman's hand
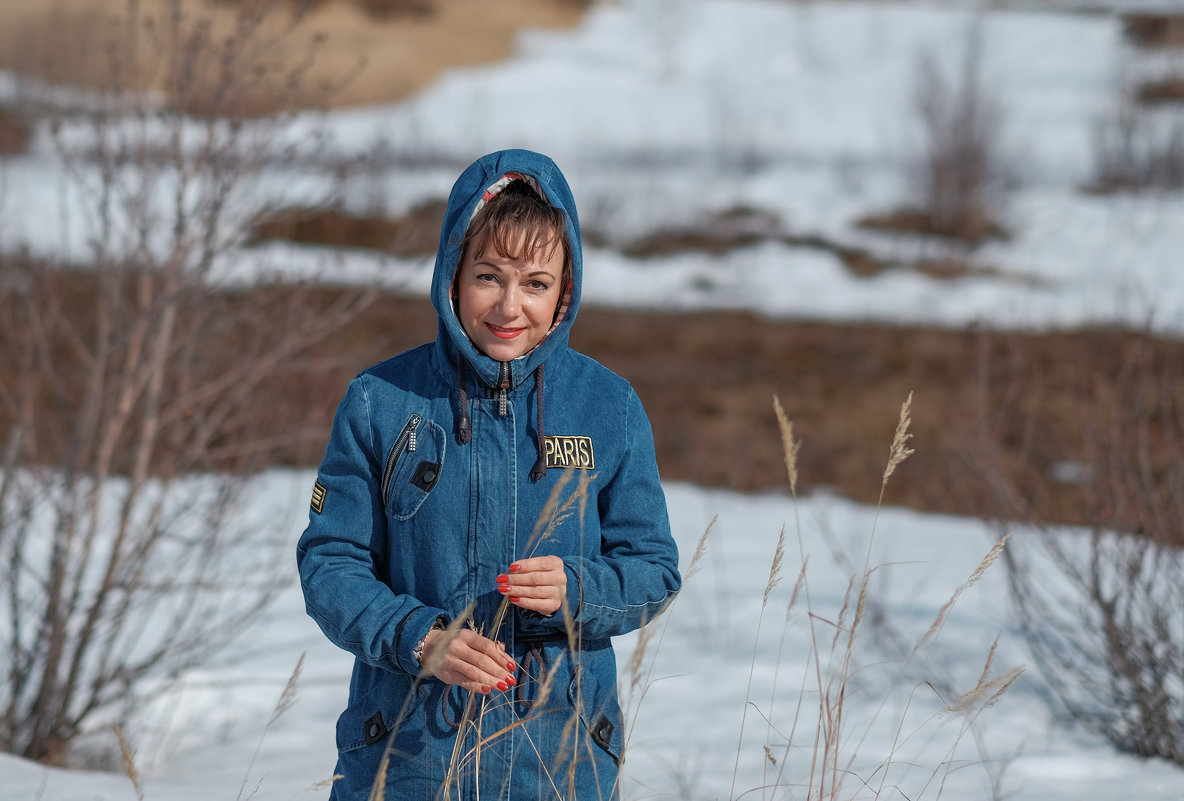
x,y
538,584
467,659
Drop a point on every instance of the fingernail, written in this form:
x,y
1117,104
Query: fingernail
x,y
511,666
503,589
510,681
514,568
514,598
484,690
503,578
501,685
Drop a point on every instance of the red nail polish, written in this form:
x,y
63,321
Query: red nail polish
x,y
513,598
484,690
503,589
501,685
511,666
510,681
503,578
514,568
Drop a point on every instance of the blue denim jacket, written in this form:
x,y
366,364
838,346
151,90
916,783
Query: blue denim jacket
x,y
425,495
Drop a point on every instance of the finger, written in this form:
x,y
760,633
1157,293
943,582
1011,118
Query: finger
x,y
546,606
536,564
480,664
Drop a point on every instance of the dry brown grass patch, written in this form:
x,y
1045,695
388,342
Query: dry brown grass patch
x,y
707,378
414,234
974,230
14,135
348,52
1163,90
1152,31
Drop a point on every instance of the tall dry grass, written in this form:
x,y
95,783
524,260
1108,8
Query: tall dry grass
x,y
838,646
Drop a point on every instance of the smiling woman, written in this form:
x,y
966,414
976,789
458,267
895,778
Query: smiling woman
x,y
515,268
440,551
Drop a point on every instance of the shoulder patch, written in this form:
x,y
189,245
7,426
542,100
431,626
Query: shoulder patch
x,y
569,451
318,496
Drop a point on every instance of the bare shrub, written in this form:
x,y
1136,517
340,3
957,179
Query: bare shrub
x,y
959,181
1103,609
130,405
1137,148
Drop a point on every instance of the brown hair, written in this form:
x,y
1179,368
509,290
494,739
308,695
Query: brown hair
x,y
519,224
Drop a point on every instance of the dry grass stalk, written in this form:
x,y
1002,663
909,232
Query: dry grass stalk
x,y
129,762
775,568
899,450
789,445
943,613
986,691
700,550
283,704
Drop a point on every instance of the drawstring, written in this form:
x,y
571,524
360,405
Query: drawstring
x,y
540,466
464,433
532,666
465,429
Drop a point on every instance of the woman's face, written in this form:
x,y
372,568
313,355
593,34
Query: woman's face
x,y
506,305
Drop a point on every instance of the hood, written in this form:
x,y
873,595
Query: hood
x,y
469,190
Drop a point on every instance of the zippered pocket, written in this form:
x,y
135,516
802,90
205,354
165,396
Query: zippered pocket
x,y
407,441
414,465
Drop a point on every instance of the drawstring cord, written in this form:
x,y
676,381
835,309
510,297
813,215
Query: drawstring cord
x,y
464,433
532,666
540,466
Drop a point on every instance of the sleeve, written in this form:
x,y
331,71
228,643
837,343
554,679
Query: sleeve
x,y
636,573
336,554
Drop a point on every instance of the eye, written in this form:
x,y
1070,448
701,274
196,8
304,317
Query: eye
x,y
486,278
538,286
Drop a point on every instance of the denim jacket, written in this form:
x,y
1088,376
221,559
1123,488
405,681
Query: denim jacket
x,y
425,494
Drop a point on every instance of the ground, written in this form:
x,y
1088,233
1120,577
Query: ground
x,y
363,56
1004,423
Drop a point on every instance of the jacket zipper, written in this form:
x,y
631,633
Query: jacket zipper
x,y
503,383
406,440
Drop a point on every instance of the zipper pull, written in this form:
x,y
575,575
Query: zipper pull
x,y
503,382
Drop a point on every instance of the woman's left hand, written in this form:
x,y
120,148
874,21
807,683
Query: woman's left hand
x,y
538,584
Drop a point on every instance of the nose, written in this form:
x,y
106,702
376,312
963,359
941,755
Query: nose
x,y
509,303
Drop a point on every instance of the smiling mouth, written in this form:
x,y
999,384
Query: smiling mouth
x,y
504,333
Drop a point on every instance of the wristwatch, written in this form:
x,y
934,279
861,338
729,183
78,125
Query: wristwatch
x,y
418,651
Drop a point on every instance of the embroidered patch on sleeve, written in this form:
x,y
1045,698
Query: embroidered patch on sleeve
x,y
569,451
318,497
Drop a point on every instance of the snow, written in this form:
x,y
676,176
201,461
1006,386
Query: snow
x,y
662,114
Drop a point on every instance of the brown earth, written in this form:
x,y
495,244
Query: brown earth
x,y
1003,424
361,56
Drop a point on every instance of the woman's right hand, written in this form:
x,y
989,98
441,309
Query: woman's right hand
x,y
467,659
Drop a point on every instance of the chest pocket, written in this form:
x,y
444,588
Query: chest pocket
x,y
413,467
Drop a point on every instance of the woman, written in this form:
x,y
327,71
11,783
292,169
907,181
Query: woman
x,y
487,515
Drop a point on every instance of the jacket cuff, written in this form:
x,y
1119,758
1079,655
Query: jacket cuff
x,y
412,629
575,591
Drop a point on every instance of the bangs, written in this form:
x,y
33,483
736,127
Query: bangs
x,y
518,224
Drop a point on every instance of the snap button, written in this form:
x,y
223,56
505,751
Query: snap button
x,y
375,729
426,475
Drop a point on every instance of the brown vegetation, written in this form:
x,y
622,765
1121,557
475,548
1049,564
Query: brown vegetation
x,y
1164,90
1152,30
989,407
14,135
347,52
